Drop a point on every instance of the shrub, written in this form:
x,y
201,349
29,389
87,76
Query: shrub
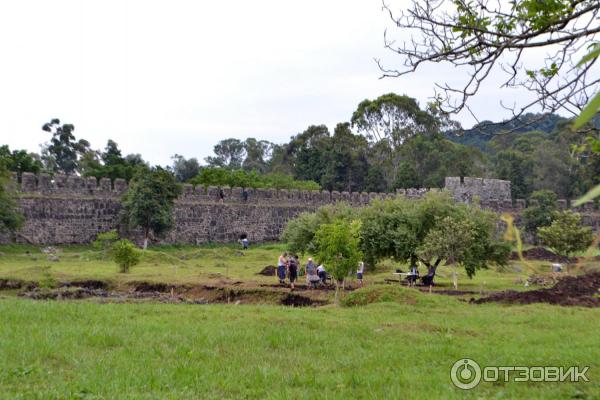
x,y
125,254
566,235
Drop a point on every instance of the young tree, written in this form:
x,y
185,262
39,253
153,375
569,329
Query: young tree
x,y
125,255
338,245
566,235
148,203
10,218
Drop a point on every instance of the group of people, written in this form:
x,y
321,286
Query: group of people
x,y
289,265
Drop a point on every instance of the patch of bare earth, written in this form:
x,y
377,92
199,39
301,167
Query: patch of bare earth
x,y
227,292
582,290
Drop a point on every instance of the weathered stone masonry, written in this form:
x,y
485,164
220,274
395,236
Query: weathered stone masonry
x,y
74,210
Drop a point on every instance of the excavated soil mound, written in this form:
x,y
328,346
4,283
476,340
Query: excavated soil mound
x,y
542,254
269,270
580,290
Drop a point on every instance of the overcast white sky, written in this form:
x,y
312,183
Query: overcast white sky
x,y
166,77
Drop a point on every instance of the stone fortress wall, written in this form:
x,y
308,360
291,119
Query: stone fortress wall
x,y
62,210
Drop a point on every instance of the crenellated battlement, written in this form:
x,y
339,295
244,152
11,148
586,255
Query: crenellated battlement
x,y
70,185
494,194
71,209
75,186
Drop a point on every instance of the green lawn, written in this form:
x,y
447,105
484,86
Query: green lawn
x,y
402,348
64,350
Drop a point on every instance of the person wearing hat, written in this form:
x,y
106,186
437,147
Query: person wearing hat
x,y
310,271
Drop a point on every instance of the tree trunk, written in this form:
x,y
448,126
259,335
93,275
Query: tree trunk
x,y
431,269
337,293
454,277
146,234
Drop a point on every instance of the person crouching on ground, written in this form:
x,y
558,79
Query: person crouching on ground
x,y
282,267
293,270
311,274
322,274
359,273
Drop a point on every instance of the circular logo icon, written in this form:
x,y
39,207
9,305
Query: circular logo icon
x,y
465,374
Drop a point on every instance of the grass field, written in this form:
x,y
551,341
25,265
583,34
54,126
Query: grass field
x,y
401,348
216,263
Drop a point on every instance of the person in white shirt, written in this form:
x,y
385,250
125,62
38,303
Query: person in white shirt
x,y
322,274
359,273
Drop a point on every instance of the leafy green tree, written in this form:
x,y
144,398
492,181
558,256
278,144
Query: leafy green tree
x,y
404,230
392,118
407,176
111,164
125,255
20,161
338,245
552,169
258,153
299,233
516,167
306,153
388,122
90,163
345,161
543,204
375,181
148,203
62,153
450,239
184,169
428,159
10,218
229,153
566,235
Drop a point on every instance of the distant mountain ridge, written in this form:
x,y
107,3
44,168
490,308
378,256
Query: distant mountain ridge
x,y
479,135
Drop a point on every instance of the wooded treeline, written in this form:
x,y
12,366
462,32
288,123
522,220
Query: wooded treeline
x,y
389,142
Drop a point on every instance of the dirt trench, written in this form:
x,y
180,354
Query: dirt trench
x,y
168,293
